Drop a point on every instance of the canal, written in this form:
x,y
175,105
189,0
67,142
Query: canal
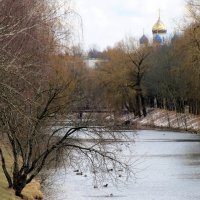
x,y
167,168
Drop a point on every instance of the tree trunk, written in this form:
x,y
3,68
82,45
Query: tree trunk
x,y
19,184
143,105
137,110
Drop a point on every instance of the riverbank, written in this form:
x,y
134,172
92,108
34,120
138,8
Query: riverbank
x,y
160,119
31,192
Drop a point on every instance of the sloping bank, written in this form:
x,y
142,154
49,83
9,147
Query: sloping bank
x,y
165,120
31,191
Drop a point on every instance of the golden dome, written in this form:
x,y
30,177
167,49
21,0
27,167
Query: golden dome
x,y
159,27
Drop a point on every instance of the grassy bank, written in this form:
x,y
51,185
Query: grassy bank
x,y
171,120
165,120
32,190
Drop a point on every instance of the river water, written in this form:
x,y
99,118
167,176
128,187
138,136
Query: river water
x,y
168,169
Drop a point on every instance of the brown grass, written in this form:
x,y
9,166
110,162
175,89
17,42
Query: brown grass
x,y
31,192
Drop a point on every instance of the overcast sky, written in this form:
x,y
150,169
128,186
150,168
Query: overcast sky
x,y
106,22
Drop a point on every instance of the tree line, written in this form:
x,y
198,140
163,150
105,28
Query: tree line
x,y
134,77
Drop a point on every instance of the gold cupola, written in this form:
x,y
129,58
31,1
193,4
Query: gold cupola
x,y
159,27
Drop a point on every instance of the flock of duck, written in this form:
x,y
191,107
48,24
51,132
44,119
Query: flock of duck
x,y
80,173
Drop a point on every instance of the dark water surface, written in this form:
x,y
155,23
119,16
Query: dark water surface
x,y
168,169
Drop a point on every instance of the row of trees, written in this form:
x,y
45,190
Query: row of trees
x,y
119,78
174,73
167,76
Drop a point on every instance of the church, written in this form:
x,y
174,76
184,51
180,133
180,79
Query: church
x,y
159,31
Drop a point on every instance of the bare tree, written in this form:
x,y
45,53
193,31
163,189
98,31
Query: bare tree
x,y
40,132
37,100
138,65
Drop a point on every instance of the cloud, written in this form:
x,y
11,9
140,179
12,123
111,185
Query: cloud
x,y
107,21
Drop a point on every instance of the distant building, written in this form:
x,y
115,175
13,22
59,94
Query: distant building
x,y
159,31
93,62
144,40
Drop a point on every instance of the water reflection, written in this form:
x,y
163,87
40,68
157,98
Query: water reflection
x,y
169,169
